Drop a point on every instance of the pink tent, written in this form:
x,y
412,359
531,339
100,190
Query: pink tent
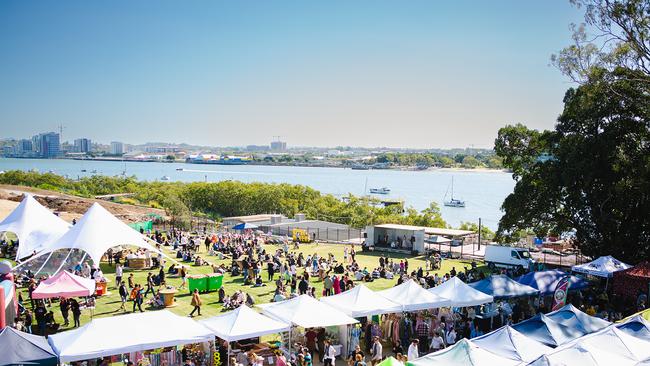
x,y
64,284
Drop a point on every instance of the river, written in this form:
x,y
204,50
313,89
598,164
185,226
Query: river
x,y
483,191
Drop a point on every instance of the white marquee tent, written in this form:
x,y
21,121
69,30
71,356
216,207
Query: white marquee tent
x,y
460,293
243,323
601,267
34,225
636,326
96,232
571,316
509,343
360,301
412,297
307,312
127,333
463,353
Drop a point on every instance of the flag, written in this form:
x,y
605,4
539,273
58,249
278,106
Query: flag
x,y
560,294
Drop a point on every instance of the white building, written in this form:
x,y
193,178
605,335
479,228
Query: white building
x,y
117,148
82,145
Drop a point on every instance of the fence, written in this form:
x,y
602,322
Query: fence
x,y
322,234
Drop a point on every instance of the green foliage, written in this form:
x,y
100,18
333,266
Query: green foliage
x,y
486,233
441,160
591,174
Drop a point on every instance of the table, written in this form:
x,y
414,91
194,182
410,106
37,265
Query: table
x,y
139,263
168,297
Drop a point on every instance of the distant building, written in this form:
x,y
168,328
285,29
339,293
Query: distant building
x,y
25,146
82,145
278,146
50,146
162,149
117,148
254,148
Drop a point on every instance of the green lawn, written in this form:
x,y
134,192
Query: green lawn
x,y
108,305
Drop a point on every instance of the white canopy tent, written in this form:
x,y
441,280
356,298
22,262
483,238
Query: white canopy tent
x,y
509,343
97,231
460,293
360,301
307,312
34,225
127,333
463,353
243,323
601,267
570,316
412,297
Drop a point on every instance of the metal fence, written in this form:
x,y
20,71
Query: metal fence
x,y
323,234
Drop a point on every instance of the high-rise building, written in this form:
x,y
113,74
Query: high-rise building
x,y
50,146
82,145
278,146
117,148
25,146
36,144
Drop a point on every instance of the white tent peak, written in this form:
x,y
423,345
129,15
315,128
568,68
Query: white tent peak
x,y
413,297
460,293
571,316
243,323
361,301
602,267
97,231
306,312
35,226
509,343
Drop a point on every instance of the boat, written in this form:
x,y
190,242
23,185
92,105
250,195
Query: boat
x,y
94,171
382,190
179,169
83,170
165,178
453,202
358,166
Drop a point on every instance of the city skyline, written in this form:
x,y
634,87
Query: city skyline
x,y
366,74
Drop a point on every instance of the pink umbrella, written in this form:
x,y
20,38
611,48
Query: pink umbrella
x,y
64,284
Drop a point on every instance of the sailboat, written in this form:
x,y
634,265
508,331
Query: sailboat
x,y
453,202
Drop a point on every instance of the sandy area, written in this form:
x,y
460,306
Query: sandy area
x,y
69,207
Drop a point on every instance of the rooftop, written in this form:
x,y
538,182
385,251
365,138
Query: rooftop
x,y
427,230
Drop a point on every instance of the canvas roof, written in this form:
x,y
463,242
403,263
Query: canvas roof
x,y
601,267
97,231
64,284
463,353
546,281
509,343
243,323
412,297
460,293
570,316
427,230
503,287
19,348
547,331
641,270
306,312
637,326
34,225
127,333
360,301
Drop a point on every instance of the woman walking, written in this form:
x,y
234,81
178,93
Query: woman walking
x,y
196,302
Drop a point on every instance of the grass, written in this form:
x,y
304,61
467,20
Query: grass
x,y
109,304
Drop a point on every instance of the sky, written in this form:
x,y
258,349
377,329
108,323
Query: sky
x,y
419,74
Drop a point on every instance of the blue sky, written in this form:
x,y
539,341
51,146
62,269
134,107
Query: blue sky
x,y
319,73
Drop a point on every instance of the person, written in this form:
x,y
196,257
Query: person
x,y
329,354
280,360
397,348
183,277
353,356
436,342
196,302
376,352
124,294
358,360
422,331
64,305
451,337
39,313
136,296
28,321
413,350
131,281
119,271
76,312
150,285
255,360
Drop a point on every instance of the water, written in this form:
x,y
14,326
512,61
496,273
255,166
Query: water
x,y
483,191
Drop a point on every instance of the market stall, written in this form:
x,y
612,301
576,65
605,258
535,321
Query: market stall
x,y
601,267
360,301
569,315
503,287
129,333
509,343
64,284
637,326
547,331
307,312
463,353
460,294
632,281
412,297
546,281
19,348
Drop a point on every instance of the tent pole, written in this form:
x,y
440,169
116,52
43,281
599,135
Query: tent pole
x,y
43,265
228,353
66,258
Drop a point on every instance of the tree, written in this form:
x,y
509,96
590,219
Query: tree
x,y
591,175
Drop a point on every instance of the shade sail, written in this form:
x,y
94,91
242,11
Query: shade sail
x,y
547,331
243,323
244,226
128,333
360,301
307,312
637,326
19,348
460,293
546,281
34,225
463,353
503,287
570,316
96,232
509,343
412,297
64,284
601,267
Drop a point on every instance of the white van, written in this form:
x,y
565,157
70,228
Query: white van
x,y
502,256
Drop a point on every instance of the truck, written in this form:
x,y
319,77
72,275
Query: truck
x,y
509,257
